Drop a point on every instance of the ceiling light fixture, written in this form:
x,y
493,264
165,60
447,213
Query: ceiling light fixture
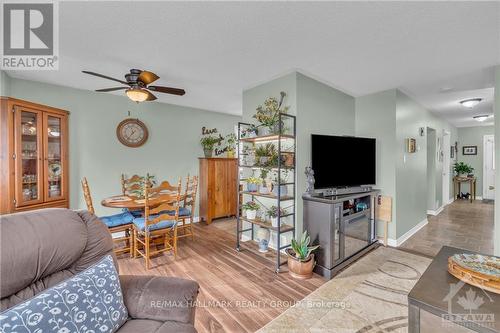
x,y
471,102
137,94
481,117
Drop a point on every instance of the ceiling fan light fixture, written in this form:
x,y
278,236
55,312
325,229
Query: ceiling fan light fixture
x,y
137,94
481,117
471,102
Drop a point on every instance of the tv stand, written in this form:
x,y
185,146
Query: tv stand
x,y
343,225
341,191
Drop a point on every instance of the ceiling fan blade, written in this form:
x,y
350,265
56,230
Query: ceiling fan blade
x,y
148,77
151,97
104,77
167,90
111,89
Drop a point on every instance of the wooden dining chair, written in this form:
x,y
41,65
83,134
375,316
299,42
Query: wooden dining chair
x,y
158,222
131,185
118,223
188,208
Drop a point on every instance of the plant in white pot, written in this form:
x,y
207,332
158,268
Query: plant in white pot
x,y
251,208
462,169
265,187
274,214
300,257
278,185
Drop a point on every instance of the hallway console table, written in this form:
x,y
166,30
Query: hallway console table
x,y
457,181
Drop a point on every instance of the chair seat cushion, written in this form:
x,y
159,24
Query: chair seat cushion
x,y
89,301
117,219
183,212
139,222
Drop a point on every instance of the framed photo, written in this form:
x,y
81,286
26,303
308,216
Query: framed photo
x,y
452,152
411,145
469,150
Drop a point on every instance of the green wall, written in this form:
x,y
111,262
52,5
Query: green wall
x,y
171,151
496,108
473,136
4,84
376,118
411,169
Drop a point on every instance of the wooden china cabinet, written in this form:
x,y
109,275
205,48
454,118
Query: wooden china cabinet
x,y
33,156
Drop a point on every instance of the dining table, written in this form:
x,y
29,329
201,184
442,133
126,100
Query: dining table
x,y
131,203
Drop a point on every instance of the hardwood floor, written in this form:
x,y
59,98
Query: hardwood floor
x,y
239,292
461,224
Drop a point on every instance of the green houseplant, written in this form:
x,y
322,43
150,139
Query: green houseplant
x,y
274,213
208,142
300,257
251,208
462,169
231,145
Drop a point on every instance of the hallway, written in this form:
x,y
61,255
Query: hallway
x,y
461,224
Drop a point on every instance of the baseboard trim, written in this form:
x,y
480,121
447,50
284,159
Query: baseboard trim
x,y
435,212
398,242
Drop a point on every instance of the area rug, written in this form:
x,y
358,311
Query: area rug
x,y
369,296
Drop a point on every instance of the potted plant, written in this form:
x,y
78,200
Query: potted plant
x,y
278,186
253,184
268,115
251,208
462,169
265,187
274,213
264,154
300,257
208,142
231,145
263,236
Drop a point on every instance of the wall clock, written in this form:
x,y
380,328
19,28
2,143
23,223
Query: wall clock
x,y
132,132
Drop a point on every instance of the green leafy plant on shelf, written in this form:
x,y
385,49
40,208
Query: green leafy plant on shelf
x,y
301,247
254,180
274,212
266,154
251,205
208,143
462,168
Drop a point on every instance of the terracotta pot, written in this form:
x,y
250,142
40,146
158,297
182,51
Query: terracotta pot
x,y
300,269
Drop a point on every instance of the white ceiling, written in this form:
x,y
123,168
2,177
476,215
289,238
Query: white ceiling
x,y
214,50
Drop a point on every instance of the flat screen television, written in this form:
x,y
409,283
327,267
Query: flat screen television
x,y
342,161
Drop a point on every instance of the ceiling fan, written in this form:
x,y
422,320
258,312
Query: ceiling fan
x,y
137,85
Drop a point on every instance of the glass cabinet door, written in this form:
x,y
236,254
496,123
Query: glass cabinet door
x,y
53,166
28,156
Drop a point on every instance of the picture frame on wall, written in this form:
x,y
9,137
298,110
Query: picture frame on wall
x,y
469,150
452,152
411,145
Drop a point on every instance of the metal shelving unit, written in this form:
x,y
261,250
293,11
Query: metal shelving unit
x,y
286,134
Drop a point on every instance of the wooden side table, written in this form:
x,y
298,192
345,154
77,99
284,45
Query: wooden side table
x,y
457,182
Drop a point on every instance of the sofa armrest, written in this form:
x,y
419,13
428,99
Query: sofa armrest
x,y
160,298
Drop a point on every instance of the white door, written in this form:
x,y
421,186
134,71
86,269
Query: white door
x,y
489,167
446,168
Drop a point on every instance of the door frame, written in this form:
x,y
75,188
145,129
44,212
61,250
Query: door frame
x,y
485,185
445,146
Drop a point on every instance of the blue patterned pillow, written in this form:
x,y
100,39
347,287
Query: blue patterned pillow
x,y
90,301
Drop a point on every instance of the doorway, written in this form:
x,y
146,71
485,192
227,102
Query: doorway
x,y
431,171
489,167
446,168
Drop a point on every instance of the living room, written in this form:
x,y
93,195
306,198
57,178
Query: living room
x,y
265,119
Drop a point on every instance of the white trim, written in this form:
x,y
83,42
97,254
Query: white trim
x,y
446,163
435,212
449,201
398,242
485,183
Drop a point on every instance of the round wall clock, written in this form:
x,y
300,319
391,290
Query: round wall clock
x,y
132,132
